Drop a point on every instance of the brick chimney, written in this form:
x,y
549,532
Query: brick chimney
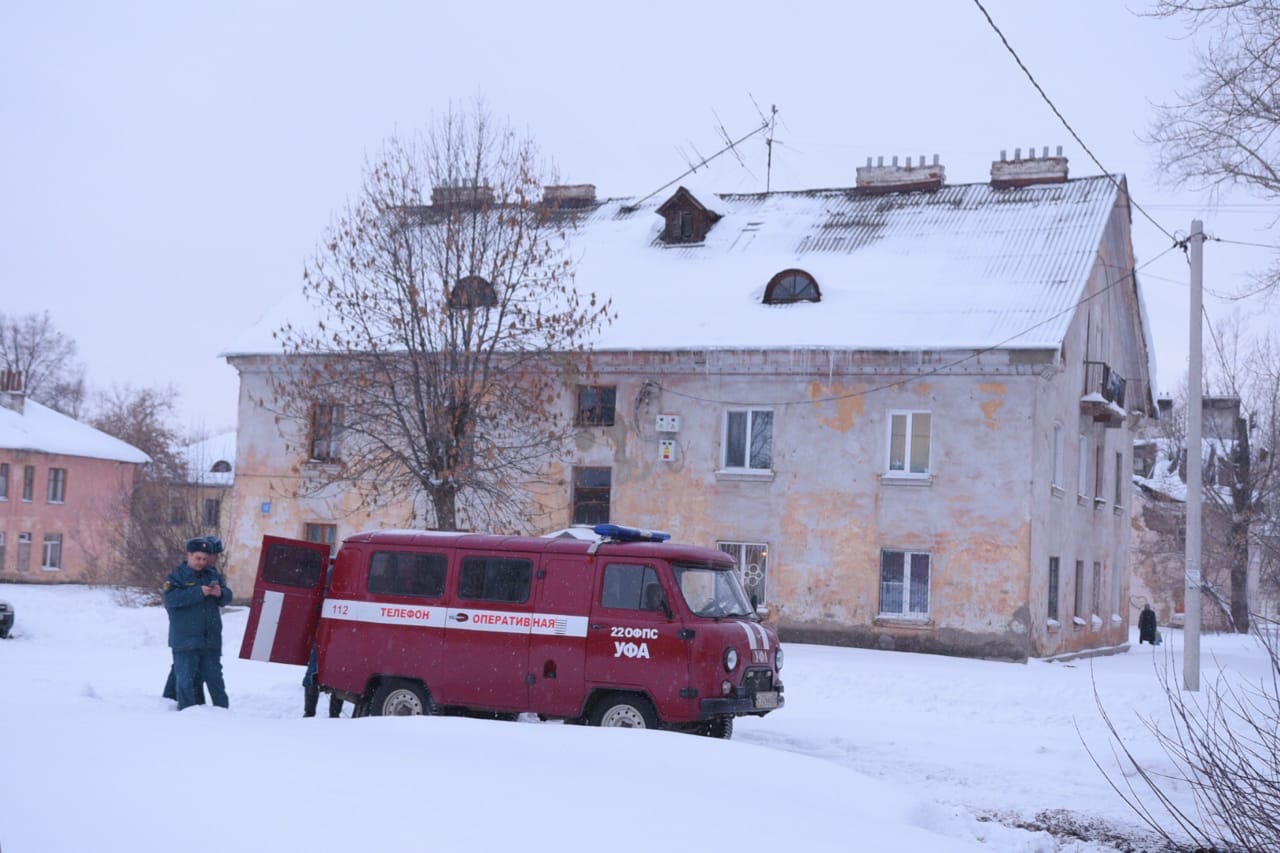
x,y
569,196
878,179
1020,172
11,394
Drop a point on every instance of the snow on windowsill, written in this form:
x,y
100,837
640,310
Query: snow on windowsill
x,y
1054,626
1056,490
1096,621
1116,618
897,478
746,475
1076,620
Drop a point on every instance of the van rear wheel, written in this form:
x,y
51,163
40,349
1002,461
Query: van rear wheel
x,y
624,711
398,698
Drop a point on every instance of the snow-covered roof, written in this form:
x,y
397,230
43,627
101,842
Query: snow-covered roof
x,y
212,462
964,266
43,430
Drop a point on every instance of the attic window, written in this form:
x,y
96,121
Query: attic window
x,y
472,291
222,466
791,286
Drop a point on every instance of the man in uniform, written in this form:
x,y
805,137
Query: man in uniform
x,y
194,595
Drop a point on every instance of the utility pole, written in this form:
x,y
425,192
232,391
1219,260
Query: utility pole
x,y
1195,410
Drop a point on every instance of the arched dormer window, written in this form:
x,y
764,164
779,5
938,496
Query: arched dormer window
x,y
791,286
472,291
222,466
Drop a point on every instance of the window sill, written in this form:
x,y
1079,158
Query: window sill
x,y
1077,621
1116,618
1117,509
56,503
51,568
894,479
1053,626
1056,490
744,475
1099,503
1082,500
897,620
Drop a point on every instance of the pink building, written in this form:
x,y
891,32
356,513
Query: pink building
x,y
64,493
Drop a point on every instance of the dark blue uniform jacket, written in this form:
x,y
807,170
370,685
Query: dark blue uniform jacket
x,y
195,619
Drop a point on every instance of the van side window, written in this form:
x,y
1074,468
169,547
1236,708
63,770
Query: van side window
x,y
407,573
495,579
631,587
292,565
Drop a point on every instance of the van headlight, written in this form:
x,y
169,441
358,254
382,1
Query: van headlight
x,y
730,659
777,659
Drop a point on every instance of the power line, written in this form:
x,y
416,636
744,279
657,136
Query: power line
x,y
926,374
1067,125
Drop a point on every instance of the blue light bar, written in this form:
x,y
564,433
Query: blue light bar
x,y
619,533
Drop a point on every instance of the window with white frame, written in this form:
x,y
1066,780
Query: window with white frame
x,y
24,552
1097,475
909,436
1059,448
904,584
52,558
57,485
1082,467
748,439
752,559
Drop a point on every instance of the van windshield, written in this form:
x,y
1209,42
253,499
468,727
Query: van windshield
x,y
712,590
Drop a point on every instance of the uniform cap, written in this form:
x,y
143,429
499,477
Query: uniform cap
x,y
200,543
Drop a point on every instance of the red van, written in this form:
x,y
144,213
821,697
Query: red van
x,y
628,630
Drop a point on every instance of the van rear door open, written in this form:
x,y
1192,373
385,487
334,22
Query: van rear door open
x,y
286,602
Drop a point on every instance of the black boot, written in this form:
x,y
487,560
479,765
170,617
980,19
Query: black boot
x,y
335,706
310,697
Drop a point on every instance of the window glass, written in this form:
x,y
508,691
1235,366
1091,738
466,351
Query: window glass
x,y
791,286
292,565
52,551
495,579
1059,447
57,485
752,566
326,533
909,438
212,511
748,439
596,405
904,583
326,430
1079,596
407,573
628,586
1,550
1053,587
591,493
24,552
28,482
4,481
714,591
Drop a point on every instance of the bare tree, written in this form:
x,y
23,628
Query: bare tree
x,y
447,321
1224,130
162,510
1225,747
33,346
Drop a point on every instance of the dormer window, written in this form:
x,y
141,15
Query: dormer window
x,y
222,466
791,286
686,219
472,291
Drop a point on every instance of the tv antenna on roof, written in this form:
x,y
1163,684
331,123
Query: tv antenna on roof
x,y
730,145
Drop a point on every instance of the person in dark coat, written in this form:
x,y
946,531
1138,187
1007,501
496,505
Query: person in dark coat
x,y
194,596
1147,625
171,683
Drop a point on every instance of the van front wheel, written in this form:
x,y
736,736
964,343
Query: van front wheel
x,y
622,710
396,698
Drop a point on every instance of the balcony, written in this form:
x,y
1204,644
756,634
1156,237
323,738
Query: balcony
x,y
1103,398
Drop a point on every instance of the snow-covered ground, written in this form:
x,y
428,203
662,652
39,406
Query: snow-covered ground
x,y
873,751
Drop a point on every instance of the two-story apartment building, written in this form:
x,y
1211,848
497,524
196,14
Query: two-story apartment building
x,y
906,407
64,492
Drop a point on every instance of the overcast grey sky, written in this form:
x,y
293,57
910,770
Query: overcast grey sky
x,y
166,168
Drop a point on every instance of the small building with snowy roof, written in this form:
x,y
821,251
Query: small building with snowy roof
x,y
906,408
64,493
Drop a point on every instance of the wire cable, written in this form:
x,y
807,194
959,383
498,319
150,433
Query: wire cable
x,y
1067,125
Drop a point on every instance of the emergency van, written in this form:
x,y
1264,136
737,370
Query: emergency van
x,y
627,630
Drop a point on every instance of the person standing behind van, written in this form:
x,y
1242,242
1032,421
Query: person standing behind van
x,y
171,683
194,595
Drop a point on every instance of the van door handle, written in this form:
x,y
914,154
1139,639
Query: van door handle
x,y
459,617
596,626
